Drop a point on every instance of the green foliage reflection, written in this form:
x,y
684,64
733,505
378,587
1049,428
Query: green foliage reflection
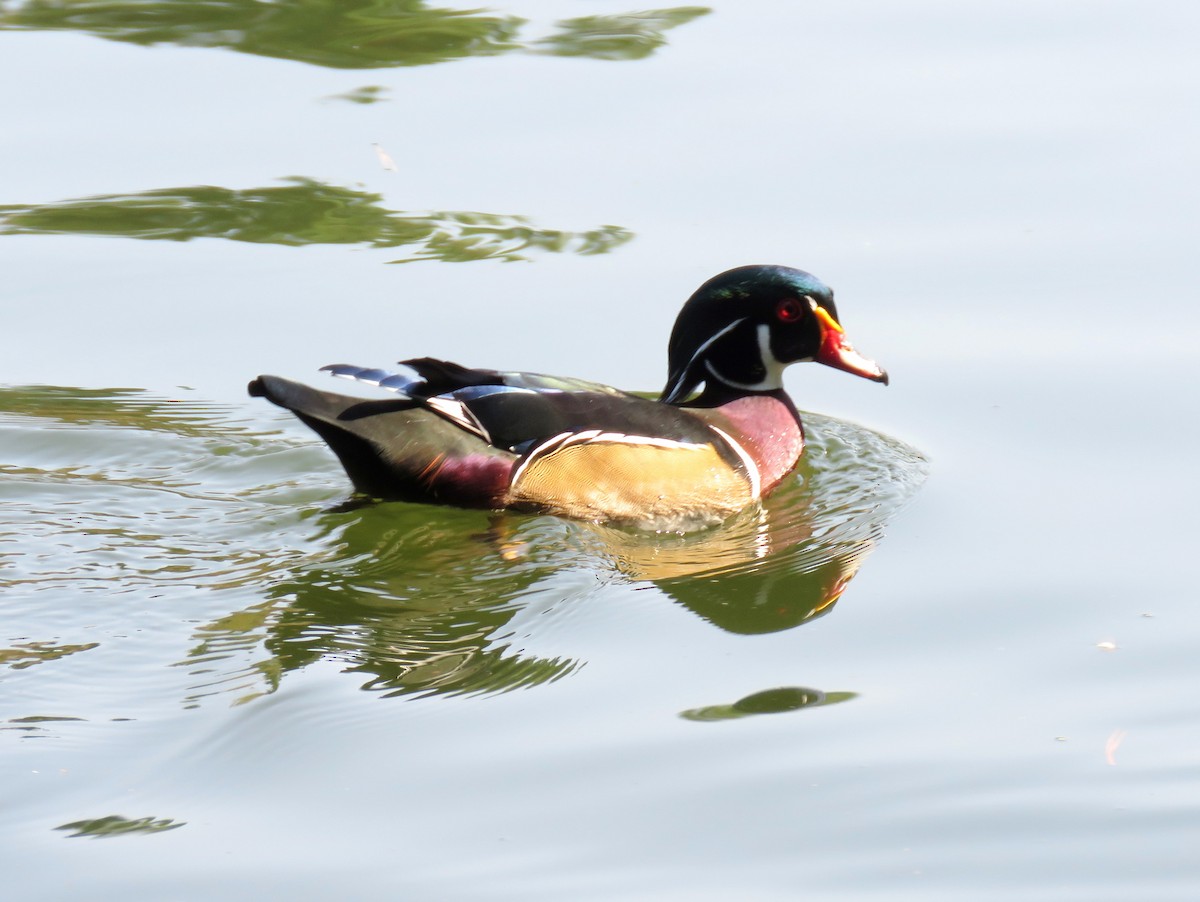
x,y
304,211
124,408
26,654
622,37
769,701
362,96
115,825
345,34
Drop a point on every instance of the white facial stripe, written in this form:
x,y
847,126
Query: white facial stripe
x,y
747,460
700,350
773,375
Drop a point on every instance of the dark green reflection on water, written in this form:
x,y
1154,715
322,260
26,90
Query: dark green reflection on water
x,y
769,701
25,654
345,34
418,599
116,825
617,37
364,95
303,212
130,408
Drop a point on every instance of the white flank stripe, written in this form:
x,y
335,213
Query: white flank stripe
x,y
651,440
595,436
586,436
751,466
532,455
620,438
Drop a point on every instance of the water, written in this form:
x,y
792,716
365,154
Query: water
x,y
188,545
950,664
187,504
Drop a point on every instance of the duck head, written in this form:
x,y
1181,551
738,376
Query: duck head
x,y
741,329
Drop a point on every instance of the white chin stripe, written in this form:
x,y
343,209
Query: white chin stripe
x,y
773,378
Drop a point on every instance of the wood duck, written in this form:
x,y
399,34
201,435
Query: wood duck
x,y
722,434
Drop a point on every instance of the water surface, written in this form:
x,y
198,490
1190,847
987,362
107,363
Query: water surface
x,y
220,679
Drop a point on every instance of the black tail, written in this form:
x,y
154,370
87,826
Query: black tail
x,y
360,432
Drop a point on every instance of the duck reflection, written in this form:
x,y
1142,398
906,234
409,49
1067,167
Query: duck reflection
x,y
422,603
418,603
761,572
423,600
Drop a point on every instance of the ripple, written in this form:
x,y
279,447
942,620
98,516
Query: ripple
x,y
182,533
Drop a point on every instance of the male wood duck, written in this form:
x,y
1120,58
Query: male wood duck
x,y
483,438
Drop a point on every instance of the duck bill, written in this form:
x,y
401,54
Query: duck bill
x,y
837,352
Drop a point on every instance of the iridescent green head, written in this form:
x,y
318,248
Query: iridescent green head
x,y
741,329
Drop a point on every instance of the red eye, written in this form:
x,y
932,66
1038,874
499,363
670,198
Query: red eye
x,y
788,310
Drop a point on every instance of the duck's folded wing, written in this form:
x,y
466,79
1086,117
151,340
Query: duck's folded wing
x,y
598,456
520,418
516,411
398,447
